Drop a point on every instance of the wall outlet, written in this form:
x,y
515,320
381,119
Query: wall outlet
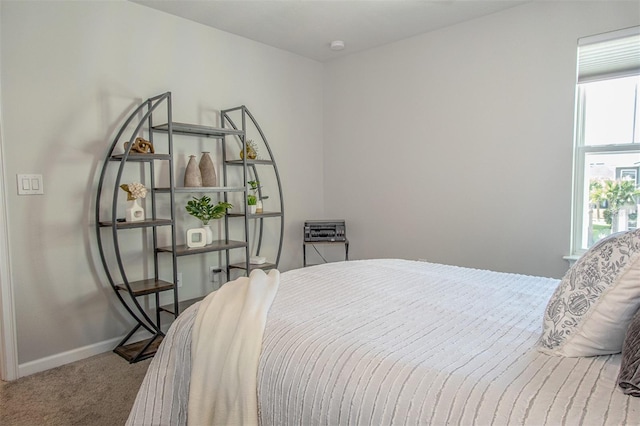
x,y
179,279
213,273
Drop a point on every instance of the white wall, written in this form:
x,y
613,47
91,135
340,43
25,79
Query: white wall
x,y
453,146
70,72
456,146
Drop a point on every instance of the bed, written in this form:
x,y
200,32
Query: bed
x,y
393,341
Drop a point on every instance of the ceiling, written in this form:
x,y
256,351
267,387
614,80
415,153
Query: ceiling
x,y
307,27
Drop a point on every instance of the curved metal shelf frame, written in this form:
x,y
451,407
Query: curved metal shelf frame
x,y
143,114
252,165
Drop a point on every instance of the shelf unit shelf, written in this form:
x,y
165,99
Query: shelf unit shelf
x,y
198,130
147,286
147,223
182,305
252,266
219,245
255,215
139,351
135,157
201,189
249,162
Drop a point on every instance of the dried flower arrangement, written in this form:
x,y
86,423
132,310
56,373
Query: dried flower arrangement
x,y
134,190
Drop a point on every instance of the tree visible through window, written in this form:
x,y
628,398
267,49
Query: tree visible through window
x,y
607,139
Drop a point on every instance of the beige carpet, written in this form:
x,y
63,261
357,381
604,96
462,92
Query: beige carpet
x,y
96,391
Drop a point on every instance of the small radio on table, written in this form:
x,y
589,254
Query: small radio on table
x,y
325,231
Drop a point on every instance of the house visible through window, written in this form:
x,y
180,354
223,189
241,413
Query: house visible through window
x,y
607,138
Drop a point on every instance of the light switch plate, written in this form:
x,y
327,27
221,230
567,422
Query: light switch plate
x,y
29,184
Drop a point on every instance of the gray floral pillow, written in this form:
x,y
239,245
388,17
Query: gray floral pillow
x,y
590,310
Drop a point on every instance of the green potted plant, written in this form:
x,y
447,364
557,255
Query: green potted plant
x,y
256,198
252,202
203,209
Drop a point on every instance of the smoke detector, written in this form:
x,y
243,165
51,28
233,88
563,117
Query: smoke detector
x,y
337,45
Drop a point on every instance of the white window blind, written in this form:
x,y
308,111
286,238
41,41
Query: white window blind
x,y
609,55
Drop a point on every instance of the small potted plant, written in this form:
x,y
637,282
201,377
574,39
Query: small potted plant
x,y
202,209
252,202
256,198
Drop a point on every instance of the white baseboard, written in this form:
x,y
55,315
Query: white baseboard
x,y
53,361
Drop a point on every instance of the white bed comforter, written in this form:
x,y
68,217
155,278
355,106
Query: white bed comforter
x,y
403,342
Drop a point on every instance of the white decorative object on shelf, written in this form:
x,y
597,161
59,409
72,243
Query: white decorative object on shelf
x,y
135,190
135,212
257,260
196,237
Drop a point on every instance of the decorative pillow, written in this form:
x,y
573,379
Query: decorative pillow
x,y
592,307
629,375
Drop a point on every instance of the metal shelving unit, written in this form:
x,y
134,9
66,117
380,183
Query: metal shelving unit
x,y
141,297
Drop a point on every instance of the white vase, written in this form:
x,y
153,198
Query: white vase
x,y
134,212
259,206
252,209
209,233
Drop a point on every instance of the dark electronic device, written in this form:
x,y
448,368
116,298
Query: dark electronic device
x,y
324,230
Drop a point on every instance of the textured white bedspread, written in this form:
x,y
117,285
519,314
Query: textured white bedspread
x,y
403,342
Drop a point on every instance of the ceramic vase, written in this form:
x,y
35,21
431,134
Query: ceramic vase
x,y
134,212
192,176
259,206
209,232
252,209
207,170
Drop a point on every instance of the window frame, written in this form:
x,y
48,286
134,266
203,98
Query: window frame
x,y
606,56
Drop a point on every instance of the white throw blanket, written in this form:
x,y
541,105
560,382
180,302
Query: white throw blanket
x,y
226,345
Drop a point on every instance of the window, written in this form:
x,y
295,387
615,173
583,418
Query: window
x,y
607,137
